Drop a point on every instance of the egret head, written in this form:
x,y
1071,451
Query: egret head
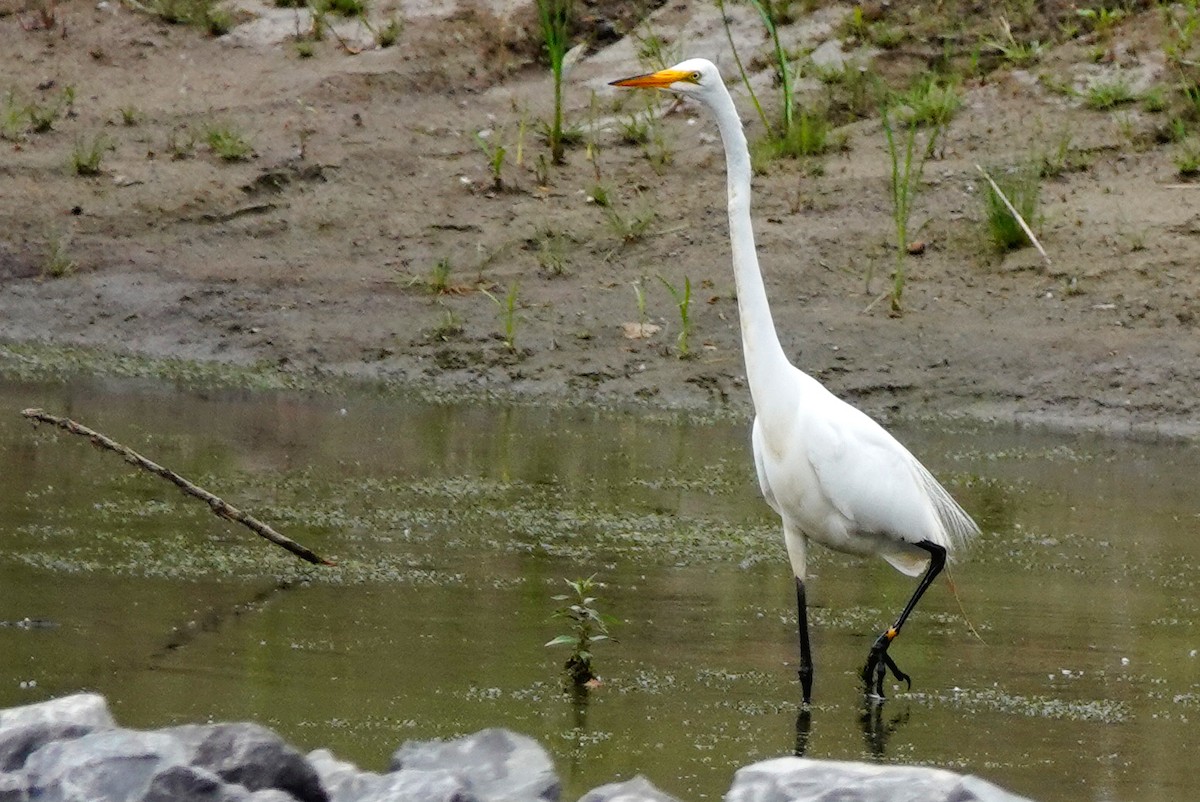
x,y
696,77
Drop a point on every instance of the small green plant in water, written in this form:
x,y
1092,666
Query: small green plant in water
x,y
587,624
683,302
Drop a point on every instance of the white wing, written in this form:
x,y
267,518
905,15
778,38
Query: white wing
x,y
878,484
837,477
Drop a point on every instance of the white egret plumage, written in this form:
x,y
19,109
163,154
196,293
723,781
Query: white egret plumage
x,y
833,474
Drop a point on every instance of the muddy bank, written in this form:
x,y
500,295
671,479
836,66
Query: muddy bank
x,y
357,238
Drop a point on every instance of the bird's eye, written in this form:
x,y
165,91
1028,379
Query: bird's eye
x,y
695,77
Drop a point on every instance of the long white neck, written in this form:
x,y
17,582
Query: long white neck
x,y
766,363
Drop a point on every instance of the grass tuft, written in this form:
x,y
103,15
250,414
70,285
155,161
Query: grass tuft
x,y
14,122
343,8
389,34
1187,158
683,302
508,313
227,143
87,154
1108,94
208,15
1022,185
929,103
58,262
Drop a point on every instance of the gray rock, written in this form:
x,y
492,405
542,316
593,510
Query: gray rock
x,y
270,795
252,756
637,789
26,729
192,784
19,742
81,709
496,764
117,765
13,788
343,781
829,55
794,779
425,785
70,750
216,763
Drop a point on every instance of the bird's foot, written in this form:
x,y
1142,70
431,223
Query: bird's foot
x,y
879,662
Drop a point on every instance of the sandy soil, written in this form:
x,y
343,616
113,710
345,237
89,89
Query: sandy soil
x,y
317,253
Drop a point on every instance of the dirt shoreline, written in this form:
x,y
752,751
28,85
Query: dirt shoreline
x,y
317,256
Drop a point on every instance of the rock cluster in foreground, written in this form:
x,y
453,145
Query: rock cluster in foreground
x,y
71,750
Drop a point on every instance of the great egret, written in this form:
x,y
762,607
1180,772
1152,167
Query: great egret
x,y
832,473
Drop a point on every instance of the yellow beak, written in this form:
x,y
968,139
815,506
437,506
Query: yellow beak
x,y
655,80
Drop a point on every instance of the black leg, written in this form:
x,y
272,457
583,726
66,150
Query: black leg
x,y
879,662
806,664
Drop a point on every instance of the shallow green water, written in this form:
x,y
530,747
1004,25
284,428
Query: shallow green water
x,y
454,526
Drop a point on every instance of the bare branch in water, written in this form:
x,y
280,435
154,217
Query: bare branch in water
x,y
218,505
